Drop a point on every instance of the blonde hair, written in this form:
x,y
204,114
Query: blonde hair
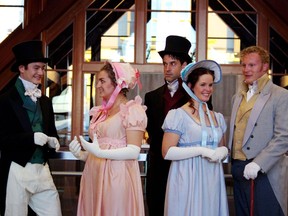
x,y
264,55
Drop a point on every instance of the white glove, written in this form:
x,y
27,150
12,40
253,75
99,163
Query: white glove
x,y
207,152
54,143
178,153
220,154
40,138
130,152
75,148
251,170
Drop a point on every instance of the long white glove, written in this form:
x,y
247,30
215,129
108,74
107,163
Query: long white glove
x,y
40,138
130,152
54,143
75,148
178,153
251,170
220,154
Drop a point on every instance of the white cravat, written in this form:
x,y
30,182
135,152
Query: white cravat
x,y
173,86
31,90
252,90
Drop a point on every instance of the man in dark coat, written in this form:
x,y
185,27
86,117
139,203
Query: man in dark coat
x,y
171,95
27,134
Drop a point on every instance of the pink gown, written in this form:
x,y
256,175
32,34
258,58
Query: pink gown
x,y
113,187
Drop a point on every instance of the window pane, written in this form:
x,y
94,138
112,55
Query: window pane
x,y
111,35
228,5
163,24
112,5
231,27
10,17
117,44
59,89
12,2
171,4
223,44
89,100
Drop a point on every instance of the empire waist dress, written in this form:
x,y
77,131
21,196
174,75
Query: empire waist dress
x,y
113,187
195,187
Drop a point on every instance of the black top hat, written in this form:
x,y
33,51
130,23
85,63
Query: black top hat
x,y
28,52
178,46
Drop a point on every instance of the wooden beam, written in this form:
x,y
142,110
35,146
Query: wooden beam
x,y
272,17
263,31
201,29
78,76
140,31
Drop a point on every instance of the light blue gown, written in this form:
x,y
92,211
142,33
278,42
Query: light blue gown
x,y
195,187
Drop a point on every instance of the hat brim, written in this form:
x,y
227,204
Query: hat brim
x,y
14,67
179,54
209,64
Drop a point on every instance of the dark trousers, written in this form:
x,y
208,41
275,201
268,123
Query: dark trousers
x,y
265,202
157,175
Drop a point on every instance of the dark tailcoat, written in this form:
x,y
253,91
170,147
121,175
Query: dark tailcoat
x,y
158,104
16,134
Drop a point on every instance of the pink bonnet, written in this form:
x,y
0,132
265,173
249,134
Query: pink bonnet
x,y
126,75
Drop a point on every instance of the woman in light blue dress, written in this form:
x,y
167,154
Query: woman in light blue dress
x,y
194,142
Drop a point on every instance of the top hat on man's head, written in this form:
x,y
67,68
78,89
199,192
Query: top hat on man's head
x,y
178,46
28,52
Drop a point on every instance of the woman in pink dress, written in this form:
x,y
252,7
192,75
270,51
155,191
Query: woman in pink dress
x,y
111,183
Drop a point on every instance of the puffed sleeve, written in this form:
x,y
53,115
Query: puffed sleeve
x,y
222,122
133,115
173,122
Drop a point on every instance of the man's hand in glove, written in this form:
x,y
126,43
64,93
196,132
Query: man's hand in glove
x,y
251,170
53,143
40,138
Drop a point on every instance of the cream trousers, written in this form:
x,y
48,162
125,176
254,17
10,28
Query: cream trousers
x,y
31,185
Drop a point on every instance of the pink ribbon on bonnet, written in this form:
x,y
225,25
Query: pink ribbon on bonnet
x,y
126,77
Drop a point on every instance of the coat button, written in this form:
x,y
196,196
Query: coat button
x,y
248,148
251,136
255,124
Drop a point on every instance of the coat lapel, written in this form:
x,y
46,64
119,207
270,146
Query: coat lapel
x,y
17,106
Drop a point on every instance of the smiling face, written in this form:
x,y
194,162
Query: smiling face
x,y
203,88
105,86
252,67
172,67
32,72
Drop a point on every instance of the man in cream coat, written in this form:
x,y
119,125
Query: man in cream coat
x,y
259,139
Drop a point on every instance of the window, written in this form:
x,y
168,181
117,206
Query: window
x,y
11,16
169,17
